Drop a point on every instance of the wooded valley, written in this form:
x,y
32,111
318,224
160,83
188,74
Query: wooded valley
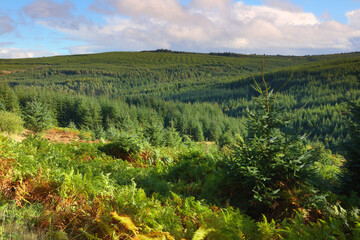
x,y
177,145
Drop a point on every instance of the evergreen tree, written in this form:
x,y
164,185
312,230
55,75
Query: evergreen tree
x,y
213,132
197,132
37,116
109,113
87,114
154,133
351,179
8,99
226,139
269,162
171,136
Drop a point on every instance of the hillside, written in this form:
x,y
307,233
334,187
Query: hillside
x,y
324,83
147,73
170,145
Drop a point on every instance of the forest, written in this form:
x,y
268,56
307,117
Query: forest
x,y
177,145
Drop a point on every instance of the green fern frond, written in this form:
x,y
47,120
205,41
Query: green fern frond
x,y
156,236
201,233
126,222
144,237
89,236
106,228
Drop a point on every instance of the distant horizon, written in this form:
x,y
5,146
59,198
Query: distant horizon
x,y
183,52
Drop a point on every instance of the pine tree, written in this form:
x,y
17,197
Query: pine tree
x,y
197,132
213,132
270,161
8,99
351,178
154,133
37,116
226,139
171,136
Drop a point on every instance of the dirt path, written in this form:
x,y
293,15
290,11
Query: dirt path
x,y
54,135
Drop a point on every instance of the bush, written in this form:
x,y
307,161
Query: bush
x,y
10,122
123,147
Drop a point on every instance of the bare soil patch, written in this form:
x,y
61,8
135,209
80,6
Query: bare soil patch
x,y
54,135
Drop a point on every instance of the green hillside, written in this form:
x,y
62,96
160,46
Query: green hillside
x,y
144,73
324,83
171,145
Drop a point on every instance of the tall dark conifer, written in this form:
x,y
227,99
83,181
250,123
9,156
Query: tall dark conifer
x,y
8,99
351,178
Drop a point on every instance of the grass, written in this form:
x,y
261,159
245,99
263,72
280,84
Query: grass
x,y
19,223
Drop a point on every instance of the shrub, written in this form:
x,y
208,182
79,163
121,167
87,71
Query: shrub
x,y
72,125
122,147
191,173
10,122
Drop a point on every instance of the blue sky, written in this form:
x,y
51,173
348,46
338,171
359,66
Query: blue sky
x,y
35,28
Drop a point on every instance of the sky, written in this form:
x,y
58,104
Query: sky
x,y
37,28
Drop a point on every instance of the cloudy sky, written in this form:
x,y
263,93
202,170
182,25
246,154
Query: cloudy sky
x,y
33,28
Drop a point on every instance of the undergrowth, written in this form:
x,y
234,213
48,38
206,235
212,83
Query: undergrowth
x,y
75,191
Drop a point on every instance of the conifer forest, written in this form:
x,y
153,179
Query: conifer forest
x,y
176,145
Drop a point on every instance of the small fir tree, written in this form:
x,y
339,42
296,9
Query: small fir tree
x,y
37,116
171,136
269,162
154,133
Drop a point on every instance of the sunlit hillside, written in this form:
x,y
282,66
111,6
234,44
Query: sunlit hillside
x,y
175,145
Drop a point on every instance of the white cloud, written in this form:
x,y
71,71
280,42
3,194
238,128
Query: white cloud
x,y
275,16
23,53
164,9
207,25
354,18
217,5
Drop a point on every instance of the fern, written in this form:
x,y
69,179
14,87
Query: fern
x,y
155,236
201,233
126,222
88,235
268,229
